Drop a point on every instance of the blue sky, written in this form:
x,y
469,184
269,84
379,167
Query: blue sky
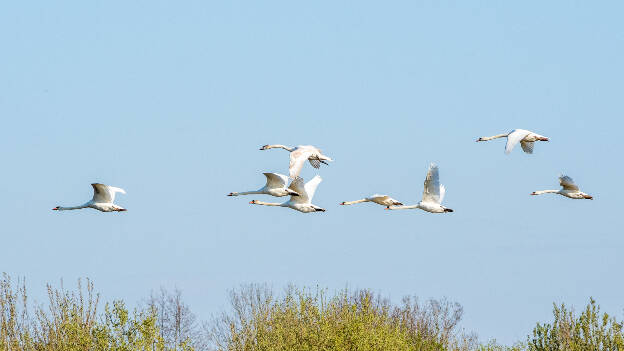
x,y
172,101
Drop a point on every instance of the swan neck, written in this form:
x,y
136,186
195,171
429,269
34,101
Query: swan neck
x,y
494,137
279,146
540,192
354,202
267,203
61,208
248,192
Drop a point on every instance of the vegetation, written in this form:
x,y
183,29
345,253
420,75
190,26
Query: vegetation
x,y
298,319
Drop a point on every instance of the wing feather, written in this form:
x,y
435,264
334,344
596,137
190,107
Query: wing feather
x,y
431,192
275,180
514,138
567,183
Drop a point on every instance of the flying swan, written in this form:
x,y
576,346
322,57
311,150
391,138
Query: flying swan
x,y
433,194
383,200
298,156
275,186
103,198
301,203
569,189
524,137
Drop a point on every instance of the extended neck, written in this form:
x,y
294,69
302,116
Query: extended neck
x,y
353,202
402,207
246,193
540,192
278,146
256,202
61,208
493,137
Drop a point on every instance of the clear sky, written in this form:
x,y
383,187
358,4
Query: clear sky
x,y
171,101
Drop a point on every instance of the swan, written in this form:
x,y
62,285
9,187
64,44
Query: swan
x,y
103,198
524,137
298,156
433,194
569,189
383,200
301,203
275,186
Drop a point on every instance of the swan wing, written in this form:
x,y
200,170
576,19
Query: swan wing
x,y
527,146
311,185
298,187
316,163
297,159
275,180
442,193
431,192
514,138
567,183
105,193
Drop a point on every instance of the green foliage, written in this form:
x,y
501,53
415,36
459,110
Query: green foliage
x,y
302,320
71,323
590,331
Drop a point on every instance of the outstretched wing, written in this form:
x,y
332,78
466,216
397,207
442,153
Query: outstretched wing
x,y
298,187
105,193
316,163
311,185
297,159
527,146
442,193
276,180
431,192
514,138
567,183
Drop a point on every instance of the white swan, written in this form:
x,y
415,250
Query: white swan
x,y
301,203
103,198
298,156
383,200
524,137
569,189
433,194
275,186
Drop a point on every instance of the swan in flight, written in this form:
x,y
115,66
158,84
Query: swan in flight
x,y
383,200
275,186
524,137
298,156
103,198
569,189
301,203
433,194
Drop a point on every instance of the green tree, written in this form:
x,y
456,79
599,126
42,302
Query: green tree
x,y
590,331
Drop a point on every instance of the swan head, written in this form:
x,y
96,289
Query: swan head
x,y
56,208
342,203
480,139
231,194
533,193
265,147
253,202
542,138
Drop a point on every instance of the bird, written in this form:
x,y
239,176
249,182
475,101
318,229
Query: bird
x,y
298,156
433,194
569,189
303,202
275,186
103,198
526,139
383,200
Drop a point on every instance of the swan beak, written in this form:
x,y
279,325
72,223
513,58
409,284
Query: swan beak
x,y
387,208
230,194
252,202
55,209
533,193
264,147
589,197
342,203
478,140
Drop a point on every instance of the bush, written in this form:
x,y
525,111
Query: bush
x,y
304,320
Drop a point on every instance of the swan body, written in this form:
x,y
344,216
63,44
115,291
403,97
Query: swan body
x,y
275,186
298,156
569,189
383,200
301,203
103,198
433,194
524,137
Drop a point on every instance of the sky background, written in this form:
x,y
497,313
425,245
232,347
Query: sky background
x,y
171,101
